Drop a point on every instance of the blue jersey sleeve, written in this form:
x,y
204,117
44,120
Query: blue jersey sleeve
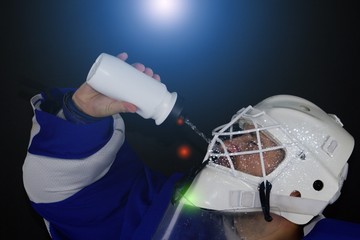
x,y
127,203
333,229
102,189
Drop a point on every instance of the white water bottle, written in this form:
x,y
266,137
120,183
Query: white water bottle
x,y
119,80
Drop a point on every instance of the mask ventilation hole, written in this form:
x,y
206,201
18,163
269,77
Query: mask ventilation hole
x,y
318,185
304,108
302,155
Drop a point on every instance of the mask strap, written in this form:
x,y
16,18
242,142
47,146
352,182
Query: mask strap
x,y
265,199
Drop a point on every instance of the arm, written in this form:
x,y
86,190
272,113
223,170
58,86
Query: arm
x,y
68,153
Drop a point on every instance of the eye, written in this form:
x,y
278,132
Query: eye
x,y
252,145
253,142
252,138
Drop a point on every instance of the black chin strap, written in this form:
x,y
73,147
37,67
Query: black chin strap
x,y
265,199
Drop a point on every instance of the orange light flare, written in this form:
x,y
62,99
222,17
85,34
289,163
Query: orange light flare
x,y
184,151
180,121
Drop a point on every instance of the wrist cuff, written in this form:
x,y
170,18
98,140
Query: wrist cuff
x,y
73,114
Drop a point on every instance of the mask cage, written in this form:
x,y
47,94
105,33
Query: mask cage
x,y
255,140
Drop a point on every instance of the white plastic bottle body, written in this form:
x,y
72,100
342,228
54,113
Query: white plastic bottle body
x,y
119,80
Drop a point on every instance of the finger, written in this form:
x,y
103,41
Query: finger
x,y
139,66
129,107
149,72
156,77
123,56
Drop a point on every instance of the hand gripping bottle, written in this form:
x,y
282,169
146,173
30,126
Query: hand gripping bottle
x,y
119,80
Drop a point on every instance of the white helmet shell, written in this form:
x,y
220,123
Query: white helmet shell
x,y
317,149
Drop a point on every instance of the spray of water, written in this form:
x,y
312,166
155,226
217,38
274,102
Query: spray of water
x,y
196,130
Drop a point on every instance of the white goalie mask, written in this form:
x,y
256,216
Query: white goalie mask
x,y
266,153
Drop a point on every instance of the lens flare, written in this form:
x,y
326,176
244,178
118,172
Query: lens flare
x,y
180,121
164,12
184,151
166,7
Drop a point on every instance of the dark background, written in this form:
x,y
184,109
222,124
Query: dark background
x,y
220,56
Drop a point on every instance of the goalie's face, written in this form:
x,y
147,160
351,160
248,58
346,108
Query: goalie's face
x,y
247,150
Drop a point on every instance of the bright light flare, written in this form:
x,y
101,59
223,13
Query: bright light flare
x,y
184,151
164,12
180,121
164,7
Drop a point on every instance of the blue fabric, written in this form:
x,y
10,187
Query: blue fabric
x,y
72,140
332,229
127,203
